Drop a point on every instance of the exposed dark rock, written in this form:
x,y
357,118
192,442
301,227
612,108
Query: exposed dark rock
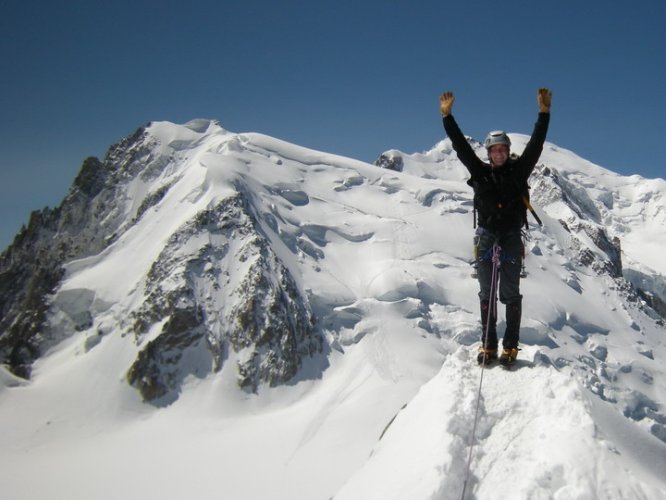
x,y
265,320
654,302
158,371
32,266
390,161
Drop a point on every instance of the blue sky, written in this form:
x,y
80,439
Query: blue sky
x,y
349,77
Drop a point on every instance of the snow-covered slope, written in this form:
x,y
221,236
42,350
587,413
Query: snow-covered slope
x,y
260,320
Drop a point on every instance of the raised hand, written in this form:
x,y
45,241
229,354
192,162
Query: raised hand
x,y
446,102
543,99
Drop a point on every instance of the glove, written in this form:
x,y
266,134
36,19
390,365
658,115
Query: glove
x,y
446,103
543,98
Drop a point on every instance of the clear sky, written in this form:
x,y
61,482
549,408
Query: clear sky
x,y
349,77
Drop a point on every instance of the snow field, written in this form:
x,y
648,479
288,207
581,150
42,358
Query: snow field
x,y
388,410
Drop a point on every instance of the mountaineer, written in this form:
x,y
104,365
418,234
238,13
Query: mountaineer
x,y
501,201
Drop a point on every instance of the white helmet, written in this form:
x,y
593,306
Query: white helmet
x,y
497,137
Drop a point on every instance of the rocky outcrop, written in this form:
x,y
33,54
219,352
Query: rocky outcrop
x,y
584,222
264,320
391,161
32,266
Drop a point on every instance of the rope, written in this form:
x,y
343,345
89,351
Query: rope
x,y
492,310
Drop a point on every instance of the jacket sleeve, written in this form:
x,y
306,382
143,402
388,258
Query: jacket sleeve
x,y
465,152
534,147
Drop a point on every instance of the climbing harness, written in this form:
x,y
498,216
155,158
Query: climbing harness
x,y
488,255
492,310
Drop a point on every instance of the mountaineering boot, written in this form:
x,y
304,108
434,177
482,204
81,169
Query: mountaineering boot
x,y
508,356
513,316
486,356
510,341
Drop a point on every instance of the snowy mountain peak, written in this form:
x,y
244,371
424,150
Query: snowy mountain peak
x,y
313,316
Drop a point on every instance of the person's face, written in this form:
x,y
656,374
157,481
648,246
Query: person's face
x,y
498,154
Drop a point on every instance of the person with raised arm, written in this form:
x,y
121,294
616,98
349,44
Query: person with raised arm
x,y
501,200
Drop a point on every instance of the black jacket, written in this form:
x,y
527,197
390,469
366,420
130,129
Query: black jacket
x,y
499,192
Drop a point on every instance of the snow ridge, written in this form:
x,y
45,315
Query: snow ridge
x,y
525,433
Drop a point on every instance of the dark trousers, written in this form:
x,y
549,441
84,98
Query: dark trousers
x,y
511,259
